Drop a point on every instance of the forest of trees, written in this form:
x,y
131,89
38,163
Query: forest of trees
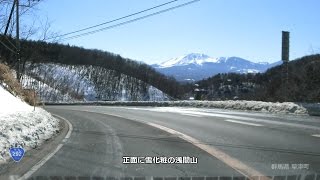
x,y
304,75
303,83
66,83
43,52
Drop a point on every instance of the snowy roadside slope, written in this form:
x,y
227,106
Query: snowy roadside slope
x,y
19,124
272,107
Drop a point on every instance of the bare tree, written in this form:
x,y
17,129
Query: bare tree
x,y
27,8
46,32
32,27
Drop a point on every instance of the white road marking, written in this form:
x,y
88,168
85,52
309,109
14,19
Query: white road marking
x,y
28,174
225,158
316,135
70,127
188,114
212,114
39,164
228,160
241,122
181,110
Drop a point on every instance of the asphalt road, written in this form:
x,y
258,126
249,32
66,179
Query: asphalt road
x,y
270,144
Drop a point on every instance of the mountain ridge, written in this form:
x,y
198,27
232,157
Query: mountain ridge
x,y
197,66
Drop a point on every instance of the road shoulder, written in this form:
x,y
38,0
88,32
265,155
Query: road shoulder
x,y
33,157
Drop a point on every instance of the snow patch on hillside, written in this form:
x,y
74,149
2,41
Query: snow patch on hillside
x,y
44,91
69,77
20,125
74,83
156,95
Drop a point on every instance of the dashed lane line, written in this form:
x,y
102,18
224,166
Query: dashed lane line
x,y
245,123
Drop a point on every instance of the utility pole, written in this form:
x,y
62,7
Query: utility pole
x,y
285,59
17,40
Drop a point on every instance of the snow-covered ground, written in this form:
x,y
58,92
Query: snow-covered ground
x,y
69,75
44,91
21,125
60,83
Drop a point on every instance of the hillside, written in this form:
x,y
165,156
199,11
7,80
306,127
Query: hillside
x,y
304,80
304,83
70,83
38,52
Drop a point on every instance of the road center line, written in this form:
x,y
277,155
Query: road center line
x,y
228,160
189,114
246,123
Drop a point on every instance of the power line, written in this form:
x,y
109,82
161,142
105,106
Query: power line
x,y
7,47
108,22
10,42
130,21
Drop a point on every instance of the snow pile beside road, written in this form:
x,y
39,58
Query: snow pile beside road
x,y
20,125
286,107
11,104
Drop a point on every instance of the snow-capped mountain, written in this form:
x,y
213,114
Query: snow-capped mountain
x,y
197,66
193,58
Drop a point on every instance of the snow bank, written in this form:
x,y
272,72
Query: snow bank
x,y
286,107
11,104
20,125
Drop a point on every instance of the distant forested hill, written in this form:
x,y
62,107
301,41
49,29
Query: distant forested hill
x,y
304,83
42,52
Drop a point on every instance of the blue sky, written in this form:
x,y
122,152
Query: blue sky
x,y
250,29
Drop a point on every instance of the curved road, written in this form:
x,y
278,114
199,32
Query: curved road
x,y
272,145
